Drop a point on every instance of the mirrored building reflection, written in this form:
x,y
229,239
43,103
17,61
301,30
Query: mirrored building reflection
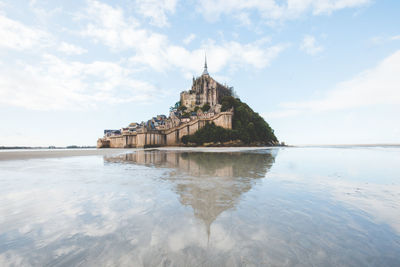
x,y
210,183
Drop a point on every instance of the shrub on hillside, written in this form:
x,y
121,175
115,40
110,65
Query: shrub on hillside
x,y
247,126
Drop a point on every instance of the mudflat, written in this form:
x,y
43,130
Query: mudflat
x,y
280,206
56,153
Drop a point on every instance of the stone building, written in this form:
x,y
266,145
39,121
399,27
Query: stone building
x,y
205,90
163,131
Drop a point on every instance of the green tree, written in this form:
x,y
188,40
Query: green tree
x,y
247,126
182,108
185,115
205,107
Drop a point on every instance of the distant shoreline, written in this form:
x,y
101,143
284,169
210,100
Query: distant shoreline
x,y
35,153
44,147
16,148
350,145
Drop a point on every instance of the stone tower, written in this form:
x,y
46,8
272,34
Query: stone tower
x,y
205,90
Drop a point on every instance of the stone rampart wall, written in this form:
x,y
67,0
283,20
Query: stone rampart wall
x,y
170,137
117,141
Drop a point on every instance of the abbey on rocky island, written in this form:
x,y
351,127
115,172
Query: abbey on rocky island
x,y
197,107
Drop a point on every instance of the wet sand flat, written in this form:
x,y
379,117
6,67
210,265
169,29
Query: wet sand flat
x,y
287,206
56,153
23,154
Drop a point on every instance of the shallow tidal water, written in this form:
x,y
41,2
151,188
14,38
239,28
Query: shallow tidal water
x,y
294,206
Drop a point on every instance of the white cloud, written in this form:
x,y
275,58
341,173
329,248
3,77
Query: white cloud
x,y
15,35
379,40
189,38
71,49
43,14
219,56
377,86
55,84
244,18
272,10
108,25
328,6
310,45
51,83
156,10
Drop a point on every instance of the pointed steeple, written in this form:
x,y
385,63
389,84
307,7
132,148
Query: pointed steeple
x,y
205,71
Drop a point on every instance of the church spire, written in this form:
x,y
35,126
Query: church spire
x,y
205,72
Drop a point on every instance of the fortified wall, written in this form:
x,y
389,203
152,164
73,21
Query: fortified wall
x,y
170,137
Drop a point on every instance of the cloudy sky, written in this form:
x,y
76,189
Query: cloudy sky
x,y
319,71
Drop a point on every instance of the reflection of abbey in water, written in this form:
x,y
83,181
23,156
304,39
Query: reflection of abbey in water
x,y
253,164
208,182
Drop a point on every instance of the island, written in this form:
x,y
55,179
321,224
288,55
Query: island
x,y
209,114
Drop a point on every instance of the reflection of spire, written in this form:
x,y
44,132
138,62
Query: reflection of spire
x,y
208,234
205,72
210,183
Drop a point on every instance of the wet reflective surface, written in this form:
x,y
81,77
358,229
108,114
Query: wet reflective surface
x,y
255,207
